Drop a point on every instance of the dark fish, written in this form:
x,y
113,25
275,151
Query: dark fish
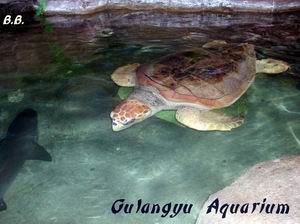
x,y
20,144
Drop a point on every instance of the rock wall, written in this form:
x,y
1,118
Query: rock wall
x,y
16,6
274,35
90,6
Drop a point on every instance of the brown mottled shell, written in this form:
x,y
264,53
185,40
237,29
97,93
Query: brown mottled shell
x,y
214,77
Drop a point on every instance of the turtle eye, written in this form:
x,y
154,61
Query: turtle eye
x,y
112,114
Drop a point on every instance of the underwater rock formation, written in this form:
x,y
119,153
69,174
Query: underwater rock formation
x,y
272,184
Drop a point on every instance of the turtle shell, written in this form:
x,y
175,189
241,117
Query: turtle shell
x,y
210,77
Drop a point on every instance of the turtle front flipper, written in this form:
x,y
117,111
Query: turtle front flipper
x,y
125,75
271,66
207,120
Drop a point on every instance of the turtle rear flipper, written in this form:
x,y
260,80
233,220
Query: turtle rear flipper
x,y
271,66
207,120
214,43
125,75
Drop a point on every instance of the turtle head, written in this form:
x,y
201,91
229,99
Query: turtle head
x,y
129,112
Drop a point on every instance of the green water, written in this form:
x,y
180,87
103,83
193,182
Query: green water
x,y
64,74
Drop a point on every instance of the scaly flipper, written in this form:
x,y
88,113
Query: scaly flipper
x,y
268,65
271,66
214,43
125,75
207,120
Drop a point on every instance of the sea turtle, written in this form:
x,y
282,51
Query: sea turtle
x,y
192,82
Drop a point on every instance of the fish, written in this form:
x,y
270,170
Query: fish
x,y
19,144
